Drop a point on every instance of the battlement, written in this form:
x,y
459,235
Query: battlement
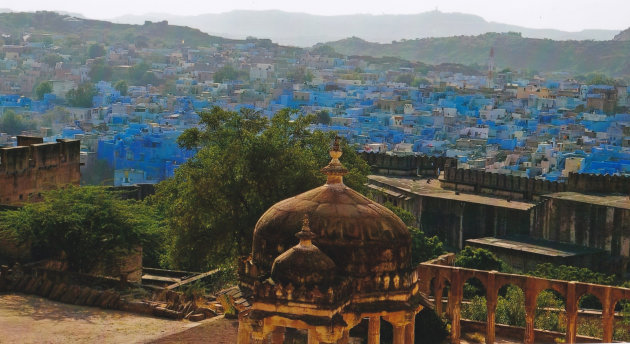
x,y
409,165
34,166
528,188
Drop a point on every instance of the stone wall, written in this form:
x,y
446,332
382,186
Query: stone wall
x,y
530,188
26,171
409,165
514,187
602,226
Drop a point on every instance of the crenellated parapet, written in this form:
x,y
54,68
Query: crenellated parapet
x,y
516,187
407,165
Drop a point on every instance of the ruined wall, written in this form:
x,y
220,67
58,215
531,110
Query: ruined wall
x,y
26,171
592,225
454,221
410,165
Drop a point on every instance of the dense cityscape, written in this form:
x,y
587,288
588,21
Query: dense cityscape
x,y
137,161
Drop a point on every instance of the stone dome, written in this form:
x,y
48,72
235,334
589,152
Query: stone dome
x,y
304,264
363,238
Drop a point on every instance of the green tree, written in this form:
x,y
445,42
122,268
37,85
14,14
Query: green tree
x,y
479,258
245,164
423,248
43,88
100,71
82,95
225,73
121,86
323,117
13,124
84,224
58,114
95,50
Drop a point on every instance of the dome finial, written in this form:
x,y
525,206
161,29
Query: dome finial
x,y
305,235
335,170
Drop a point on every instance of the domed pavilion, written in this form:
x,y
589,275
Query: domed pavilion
x,y
326,259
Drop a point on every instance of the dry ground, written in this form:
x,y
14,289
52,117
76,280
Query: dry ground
x,y
32,319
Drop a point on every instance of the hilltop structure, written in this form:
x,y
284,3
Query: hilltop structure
x,y
353,261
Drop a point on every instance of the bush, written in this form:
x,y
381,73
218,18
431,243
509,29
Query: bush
x,y
84,224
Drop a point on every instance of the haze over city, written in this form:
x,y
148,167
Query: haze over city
x,y
562,15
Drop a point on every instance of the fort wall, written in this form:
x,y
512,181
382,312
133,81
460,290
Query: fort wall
x,y
26,171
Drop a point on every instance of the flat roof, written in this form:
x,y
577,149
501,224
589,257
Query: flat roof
x,y
536,246
615,201
421,186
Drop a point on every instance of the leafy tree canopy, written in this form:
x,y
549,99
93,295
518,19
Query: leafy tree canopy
x,y
87,224
121,86
81,96
13,124
245,164
571,273
43,88
479,258
423,248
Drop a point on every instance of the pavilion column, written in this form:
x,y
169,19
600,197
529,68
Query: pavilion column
x,y
572,311
608,316
374,330
345,338
244,332
399,334
530,313
438,289
312,337
455,302
491,305
410,331
277,336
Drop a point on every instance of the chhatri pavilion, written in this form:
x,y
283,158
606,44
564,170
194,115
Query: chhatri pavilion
x,y
323,261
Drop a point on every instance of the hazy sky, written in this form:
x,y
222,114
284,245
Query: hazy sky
x,y
566,15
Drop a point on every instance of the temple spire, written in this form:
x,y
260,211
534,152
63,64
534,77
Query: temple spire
x,y
335,170
305,235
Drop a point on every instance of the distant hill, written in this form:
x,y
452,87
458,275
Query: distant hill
x,y
623,35
153,34
511,50
304,30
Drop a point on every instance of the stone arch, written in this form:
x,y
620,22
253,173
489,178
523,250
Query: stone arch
x,y
474,303
510,309
621,320
589,320
550,314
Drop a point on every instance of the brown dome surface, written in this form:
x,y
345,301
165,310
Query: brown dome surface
x,y
362,237
303,265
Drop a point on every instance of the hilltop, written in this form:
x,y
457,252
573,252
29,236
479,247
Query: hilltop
x,y
301,29
159,34
623,35
511,50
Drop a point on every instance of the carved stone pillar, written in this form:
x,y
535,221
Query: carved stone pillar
x,y
244,332
572,312
607,317
455,302
312,337
399,334
491,305
530,313
410,332
344,338
374,330
277,336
